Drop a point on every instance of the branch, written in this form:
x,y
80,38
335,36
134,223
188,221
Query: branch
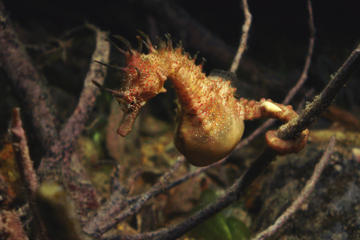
x,y
298,85
22,155
175,231
232,195
26,169
322,101
303,196
307,64
26,81
109,215
245,35
63,147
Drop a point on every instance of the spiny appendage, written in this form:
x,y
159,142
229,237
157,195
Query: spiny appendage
x,y
267,108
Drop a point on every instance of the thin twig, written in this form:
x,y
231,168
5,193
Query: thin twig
x,y
322,101
295,89
244,37
21,149
26,169
261,129
307,64
303,196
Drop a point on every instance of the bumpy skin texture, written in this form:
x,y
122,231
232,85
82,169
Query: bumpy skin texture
x,y
210,121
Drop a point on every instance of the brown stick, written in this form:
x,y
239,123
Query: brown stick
x,y
26,169
303,196
244,37
21,150
322,101
307,64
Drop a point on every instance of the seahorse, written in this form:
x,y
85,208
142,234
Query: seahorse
x,y
210,119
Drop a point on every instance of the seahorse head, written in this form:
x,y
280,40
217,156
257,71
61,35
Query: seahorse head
x,y
143,80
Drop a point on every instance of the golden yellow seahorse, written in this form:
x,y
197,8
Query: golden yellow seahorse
x,y
210,121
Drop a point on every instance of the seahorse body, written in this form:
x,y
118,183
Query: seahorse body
x,y
210,119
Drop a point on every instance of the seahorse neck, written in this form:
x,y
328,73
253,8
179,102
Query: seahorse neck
x,y
189,82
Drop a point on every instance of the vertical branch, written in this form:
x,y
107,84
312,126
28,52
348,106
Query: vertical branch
x,y
307,64
22,155
245,35
26,169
